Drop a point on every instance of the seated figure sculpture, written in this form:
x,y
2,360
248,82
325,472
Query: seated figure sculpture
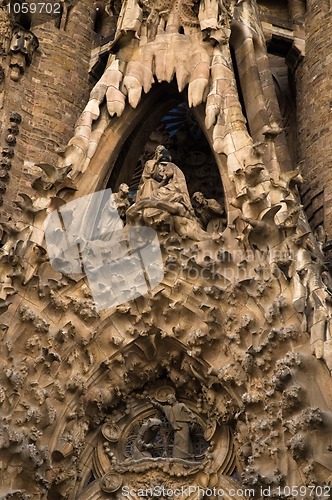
x,y
163,201
209,212
145,438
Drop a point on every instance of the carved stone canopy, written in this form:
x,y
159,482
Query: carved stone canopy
x,y
141,433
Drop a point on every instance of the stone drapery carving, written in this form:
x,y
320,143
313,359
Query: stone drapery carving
x,y
180,417
116,206
145,438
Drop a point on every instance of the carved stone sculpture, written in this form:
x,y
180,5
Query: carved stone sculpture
x,y
145,438
163,198
209,212
5,28
22,46
223,343
180,418
116,206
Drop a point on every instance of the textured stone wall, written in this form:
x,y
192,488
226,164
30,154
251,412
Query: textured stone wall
x,y
50,95
314,86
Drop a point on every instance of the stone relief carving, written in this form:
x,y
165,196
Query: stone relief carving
x,y
22,46
141,438
162,199
226,332
203,65
5,29
7,152
180,417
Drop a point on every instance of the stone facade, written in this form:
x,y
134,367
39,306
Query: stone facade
x,y
175,331
314,85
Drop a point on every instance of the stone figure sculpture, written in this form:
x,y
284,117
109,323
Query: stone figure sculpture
x,y
116,206
180,417
163,199
145,438
209,212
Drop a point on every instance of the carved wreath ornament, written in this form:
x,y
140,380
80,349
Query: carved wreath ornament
x,y
160,438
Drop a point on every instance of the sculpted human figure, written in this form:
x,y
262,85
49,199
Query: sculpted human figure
x,y
116,206
209,212
163,199
145,438
150,178
180,417
121,199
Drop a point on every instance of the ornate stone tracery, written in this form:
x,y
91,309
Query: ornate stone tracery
x,y
243,311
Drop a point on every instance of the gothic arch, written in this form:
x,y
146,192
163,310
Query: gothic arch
x,y
248,303
142,121
113,420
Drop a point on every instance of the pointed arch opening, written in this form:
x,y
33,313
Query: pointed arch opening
x,y
173,124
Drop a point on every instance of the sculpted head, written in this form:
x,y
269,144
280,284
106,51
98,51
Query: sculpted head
x,y
199,198
171,399
124,188
159,152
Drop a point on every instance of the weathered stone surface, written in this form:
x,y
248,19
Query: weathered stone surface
x,y
219,376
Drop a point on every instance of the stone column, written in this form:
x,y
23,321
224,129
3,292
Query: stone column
x,y
314,104
49,95
296,9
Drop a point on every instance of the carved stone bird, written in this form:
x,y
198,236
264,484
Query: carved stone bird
x,y
264,231
27,205
54,174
